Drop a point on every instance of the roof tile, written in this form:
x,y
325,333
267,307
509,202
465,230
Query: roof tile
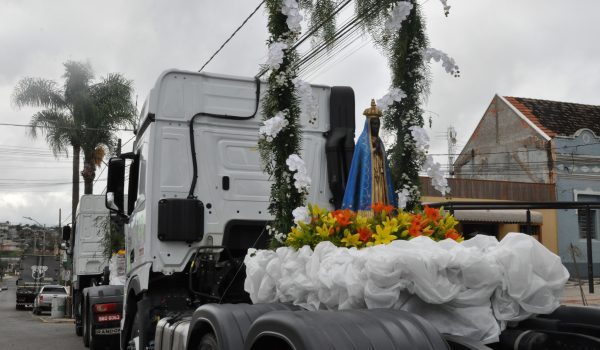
x,y
558,118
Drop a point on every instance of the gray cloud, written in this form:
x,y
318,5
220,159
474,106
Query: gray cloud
x,y
536,48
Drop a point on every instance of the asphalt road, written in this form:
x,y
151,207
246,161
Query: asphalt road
x,y
20,330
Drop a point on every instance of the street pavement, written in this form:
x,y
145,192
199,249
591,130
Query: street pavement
x,y
20,330
573,293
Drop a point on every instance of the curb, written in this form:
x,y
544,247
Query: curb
x,y
55,320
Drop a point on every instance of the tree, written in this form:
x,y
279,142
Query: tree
x,y
81,114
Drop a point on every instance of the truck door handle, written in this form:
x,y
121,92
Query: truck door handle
x,y
225,183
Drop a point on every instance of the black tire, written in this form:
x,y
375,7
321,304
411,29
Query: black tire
x,y
85,319
137,330
77,314
208,342
78,330
96,343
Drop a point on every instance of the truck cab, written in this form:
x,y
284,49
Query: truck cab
x,y
197,195
89,260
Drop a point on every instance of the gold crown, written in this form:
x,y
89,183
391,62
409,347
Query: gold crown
x,y
373,111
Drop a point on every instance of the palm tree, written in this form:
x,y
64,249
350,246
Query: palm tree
x,y
81,115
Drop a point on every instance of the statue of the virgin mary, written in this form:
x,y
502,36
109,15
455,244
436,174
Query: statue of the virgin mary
x,y
369,181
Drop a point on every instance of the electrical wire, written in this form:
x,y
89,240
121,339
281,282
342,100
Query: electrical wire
x,y
231,36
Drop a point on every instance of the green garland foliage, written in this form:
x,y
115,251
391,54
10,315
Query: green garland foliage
x,y
410,73
280,97
404,50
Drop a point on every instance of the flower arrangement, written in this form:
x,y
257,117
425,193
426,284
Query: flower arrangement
x,y
346,228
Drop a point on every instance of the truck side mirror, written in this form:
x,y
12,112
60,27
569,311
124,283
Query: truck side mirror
x,y
115,185
66,233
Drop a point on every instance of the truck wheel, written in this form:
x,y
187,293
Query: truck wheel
x,y
208,342
137,330
77,314
85,319
95,342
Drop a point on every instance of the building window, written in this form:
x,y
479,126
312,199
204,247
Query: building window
x,y
594,217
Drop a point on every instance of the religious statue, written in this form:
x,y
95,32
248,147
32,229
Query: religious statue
x,y
369,181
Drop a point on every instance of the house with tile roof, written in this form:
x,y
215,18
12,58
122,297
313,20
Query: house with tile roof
x,y
540,141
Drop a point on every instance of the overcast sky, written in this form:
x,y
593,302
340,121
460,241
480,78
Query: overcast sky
x,y
529,48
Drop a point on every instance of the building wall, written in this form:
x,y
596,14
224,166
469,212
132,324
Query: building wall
x,y
504,147
577,172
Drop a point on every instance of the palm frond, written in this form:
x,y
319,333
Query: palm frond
x,y
113,98
77,80
56,126
37,92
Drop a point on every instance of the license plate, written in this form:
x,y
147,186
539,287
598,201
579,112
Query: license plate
x,y
107,318
106,331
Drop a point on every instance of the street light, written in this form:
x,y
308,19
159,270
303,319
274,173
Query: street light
x,y
44,240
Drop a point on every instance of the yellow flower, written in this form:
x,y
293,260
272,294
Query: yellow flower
x,y
323,231
361,221
351,240
329,219
294,235
383,235
392,224
315,211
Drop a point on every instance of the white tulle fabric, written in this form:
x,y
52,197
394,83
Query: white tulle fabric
x,y
469,289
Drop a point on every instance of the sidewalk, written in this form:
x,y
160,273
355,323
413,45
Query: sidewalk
x,y
572,295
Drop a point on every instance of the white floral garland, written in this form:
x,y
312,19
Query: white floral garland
x,y
394,95
297,165
432,167
276,54
307,102
398,14
272,127
448,62
291,9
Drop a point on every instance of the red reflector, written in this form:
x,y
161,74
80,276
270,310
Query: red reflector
x,y
41,297
103,308
108,318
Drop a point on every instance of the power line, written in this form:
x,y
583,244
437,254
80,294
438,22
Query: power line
x,y
232,35
63,127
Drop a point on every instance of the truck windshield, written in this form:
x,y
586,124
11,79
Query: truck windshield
x,y
54,290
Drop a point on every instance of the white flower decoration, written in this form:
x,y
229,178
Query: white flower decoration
x,y
275,56
307,102
273,126
394,95
399,13
301,179
291,9
448,62
301,214
421,138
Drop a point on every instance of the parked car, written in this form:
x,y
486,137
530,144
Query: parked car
x,y
43,300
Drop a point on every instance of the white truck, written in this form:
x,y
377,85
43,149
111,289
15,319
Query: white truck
x,y
90,277
198,199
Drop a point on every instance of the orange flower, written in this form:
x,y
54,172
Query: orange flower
x,y
365,234
343,217
377,207
388,208
432,213
453,234
415,227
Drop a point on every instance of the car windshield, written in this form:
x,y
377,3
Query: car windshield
x,y
54,290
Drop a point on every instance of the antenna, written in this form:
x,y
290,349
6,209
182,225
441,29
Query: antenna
x,y
451,137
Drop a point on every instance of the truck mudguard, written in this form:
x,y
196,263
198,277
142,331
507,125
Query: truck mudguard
x,y
228,322
351,329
